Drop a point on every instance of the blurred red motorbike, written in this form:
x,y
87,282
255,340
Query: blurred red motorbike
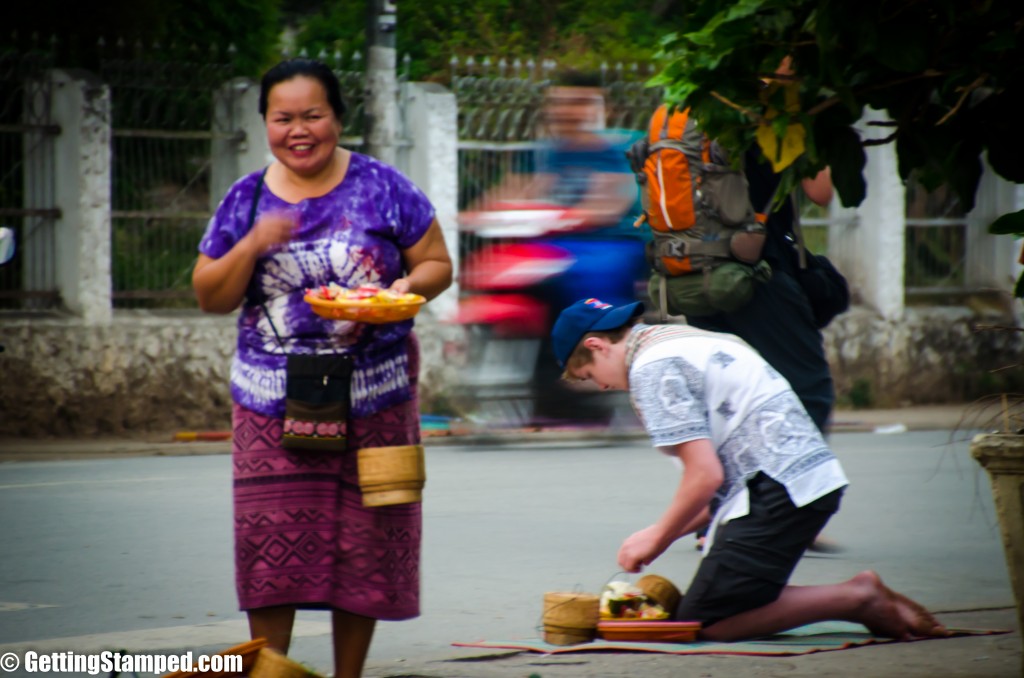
x,y
526,262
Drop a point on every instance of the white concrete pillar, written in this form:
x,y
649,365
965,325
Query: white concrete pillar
x,y
240,137
381,116
431,116
843,234
81,107
877,262
991,259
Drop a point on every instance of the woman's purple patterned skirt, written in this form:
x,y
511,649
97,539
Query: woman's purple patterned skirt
x,y
302,534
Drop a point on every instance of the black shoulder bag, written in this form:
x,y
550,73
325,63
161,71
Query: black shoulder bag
x,y
826,288
317,389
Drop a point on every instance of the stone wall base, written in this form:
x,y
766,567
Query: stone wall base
x,y
146,373
930,355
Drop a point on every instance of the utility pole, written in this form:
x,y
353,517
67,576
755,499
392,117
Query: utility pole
x,y
381,82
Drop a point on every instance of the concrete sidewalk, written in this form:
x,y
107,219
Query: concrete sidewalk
x,y
966,416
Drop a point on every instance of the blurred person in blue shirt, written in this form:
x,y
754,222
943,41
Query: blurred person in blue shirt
x,y
582,168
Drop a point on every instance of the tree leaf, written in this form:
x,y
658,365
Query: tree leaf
x,y
779,124
1008,224
846,158
1006,160
910,152
903,45
738,10
781,153
1002,133
812,147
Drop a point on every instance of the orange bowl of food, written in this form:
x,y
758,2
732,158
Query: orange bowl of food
x,y
366,304
649,631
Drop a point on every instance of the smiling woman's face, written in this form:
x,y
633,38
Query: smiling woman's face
x,y
302,130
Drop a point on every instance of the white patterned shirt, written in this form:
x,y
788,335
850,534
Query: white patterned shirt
x,y
687,384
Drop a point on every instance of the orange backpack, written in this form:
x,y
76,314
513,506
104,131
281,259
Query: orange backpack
x,y
697,206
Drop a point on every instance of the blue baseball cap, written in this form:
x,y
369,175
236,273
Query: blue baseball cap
x,y
588,315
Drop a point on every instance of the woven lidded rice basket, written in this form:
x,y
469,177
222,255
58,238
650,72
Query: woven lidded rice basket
x,y
391,475
660,591
570,618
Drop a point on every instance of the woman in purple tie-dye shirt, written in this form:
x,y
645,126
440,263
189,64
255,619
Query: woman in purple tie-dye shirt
x,y
323,214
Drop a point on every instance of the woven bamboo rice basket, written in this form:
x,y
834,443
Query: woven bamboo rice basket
x,y
273,664
570,618
392,475
661,591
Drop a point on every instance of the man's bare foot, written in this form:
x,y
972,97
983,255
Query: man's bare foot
x,y
923,624
893,615
879,612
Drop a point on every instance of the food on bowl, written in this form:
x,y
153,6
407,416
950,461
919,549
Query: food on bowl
x,y
364,294
622,600
367,303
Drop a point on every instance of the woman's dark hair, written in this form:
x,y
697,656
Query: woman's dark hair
x,y
309,68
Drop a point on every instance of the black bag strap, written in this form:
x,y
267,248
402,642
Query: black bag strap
x,y
256,192
252,220
798,233
663,298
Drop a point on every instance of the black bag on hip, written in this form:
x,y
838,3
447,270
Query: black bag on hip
x,y
317,402
826,288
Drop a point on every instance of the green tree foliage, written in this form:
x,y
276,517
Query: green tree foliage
x,y
73,30
948,74
252,27
576,33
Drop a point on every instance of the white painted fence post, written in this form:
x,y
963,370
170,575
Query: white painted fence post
x,y
876,263
240,139
431,123
81,107
991,260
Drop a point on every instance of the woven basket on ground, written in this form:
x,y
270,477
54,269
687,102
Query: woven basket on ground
x,y
570,618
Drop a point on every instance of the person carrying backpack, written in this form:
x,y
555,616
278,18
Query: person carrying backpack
x,y
728,261
762,291
778,321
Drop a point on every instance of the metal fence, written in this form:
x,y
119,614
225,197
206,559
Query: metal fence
x,y
936,242
27,200
163,128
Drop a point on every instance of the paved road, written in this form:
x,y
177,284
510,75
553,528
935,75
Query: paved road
x,y
135,553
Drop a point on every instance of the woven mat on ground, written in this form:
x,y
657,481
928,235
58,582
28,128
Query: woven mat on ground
x,y
820,637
